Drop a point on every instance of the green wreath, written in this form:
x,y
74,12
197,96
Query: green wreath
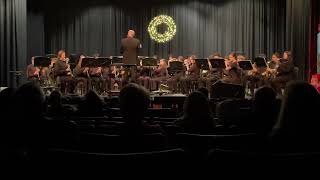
x,y
166,36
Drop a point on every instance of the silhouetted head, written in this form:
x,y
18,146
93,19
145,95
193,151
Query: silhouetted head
x,y
196,106
264,99
134,101
29,101
93,104
265,107
299,110
55,98
228,112
6,98
204,91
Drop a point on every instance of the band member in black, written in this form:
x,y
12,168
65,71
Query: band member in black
x,y
63,73
232,73
285,72
32,72
175,76
192,74
81,74
129,49
160,75
95,80
214,73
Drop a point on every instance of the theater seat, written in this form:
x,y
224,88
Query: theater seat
x,y
236,157
107,143
197,145
79,158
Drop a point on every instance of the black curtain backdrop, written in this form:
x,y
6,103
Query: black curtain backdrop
x,y
13,40
245,26
297,30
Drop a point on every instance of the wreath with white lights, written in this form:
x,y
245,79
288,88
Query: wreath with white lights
x,y
168,34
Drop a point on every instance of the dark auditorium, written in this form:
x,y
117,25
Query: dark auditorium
x,y
130,83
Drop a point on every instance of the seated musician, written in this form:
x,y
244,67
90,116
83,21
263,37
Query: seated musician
x,y
116,78
160,74
44,76
214,74
81,77
32,72
106,73
232,74
95,78
62,73
275,61
192,74
175,77
258,77
144,77
285,72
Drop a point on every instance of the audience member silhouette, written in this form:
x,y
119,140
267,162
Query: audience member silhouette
x,y
298,124
136,132
204,91
92,105
228,112
25,132
6,98
55,106
197,115
265,110
134,103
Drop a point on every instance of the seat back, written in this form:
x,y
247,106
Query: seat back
x,y
115,143
80,158
236,158
198,144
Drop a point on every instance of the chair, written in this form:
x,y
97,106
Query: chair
x,y
199,144
162,112
107,143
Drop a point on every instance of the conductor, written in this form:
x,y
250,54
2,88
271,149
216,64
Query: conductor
x,y
129,49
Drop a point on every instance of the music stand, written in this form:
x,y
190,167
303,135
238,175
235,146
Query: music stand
x,y
40,61
175,66
260,62
217,63
88,62
149,61
103,62
202,64
73,60
245,65
117,59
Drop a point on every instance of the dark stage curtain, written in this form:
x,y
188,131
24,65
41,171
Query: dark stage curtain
x,y
35,34
313,30
203,27
13,39
297,33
